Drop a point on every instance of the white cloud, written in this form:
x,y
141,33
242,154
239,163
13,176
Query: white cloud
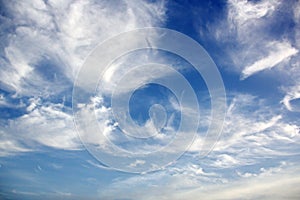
x,y
91,132
292,87
254,44
9,146
42,55
236,167
252,131
278,53
45,125
134,74
64,33
242,12
247,20
224,161
292,94
296,11
247,37
192,182
278,186
137,162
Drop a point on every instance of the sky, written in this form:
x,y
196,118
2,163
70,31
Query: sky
x,y
96,104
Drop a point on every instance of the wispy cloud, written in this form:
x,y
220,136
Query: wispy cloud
x,y
277,185
9,146
236,167
293,93
278,53
47,45
190,182
246,37
252,131
255,129
42,54
64,33
242,12
45,125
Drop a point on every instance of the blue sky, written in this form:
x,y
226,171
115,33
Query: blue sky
x,y
255,46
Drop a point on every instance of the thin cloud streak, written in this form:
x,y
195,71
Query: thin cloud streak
x,y
279,53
